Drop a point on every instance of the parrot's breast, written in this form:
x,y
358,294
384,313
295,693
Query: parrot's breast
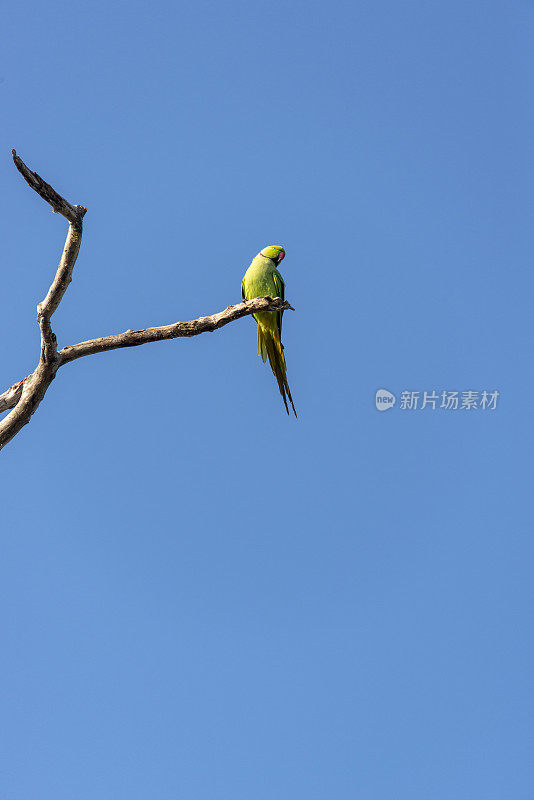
x,y
259,280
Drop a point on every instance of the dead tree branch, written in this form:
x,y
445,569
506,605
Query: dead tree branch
x,y
191,328
24,396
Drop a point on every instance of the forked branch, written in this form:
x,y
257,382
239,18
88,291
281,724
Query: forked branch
x,y
25,395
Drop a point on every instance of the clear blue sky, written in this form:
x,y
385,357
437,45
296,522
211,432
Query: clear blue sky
x,y
202,598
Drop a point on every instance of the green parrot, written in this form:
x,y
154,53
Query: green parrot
x,y
262,279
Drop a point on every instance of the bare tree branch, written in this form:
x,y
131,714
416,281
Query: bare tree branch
x,y
11,396
58,203
191,328
24,396
74,214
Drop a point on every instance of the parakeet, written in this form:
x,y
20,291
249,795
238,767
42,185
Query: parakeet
x,y
262,279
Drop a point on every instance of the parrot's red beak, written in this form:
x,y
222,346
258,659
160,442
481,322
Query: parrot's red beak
x,y
281,255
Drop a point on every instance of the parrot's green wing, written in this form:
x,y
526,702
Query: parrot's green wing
x,y
281,289
243,289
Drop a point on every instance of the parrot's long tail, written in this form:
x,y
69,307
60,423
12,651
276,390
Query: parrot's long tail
x,y
270,346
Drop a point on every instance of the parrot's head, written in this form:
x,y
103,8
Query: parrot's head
x,y
274,252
